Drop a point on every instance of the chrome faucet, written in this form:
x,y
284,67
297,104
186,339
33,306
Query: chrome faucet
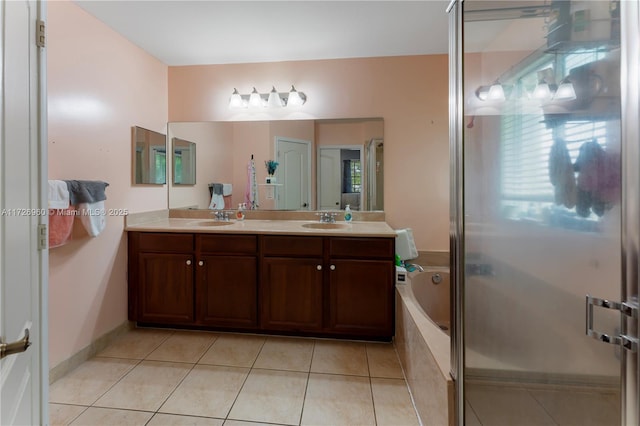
x,y
327,217
221,216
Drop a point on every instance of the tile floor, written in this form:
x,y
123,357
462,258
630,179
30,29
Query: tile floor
x,y
165,377
495,405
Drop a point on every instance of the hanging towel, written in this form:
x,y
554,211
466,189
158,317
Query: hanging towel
x,y
93,217
86,191
60,226
561,174
58,194
227,189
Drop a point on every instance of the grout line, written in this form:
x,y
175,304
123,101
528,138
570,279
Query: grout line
x,y
306,388
373,403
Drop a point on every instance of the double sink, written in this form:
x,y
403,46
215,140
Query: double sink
x,y
310,225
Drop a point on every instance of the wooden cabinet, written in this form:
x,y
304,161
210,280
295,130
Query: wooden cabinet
x,y
291,285
226,281
361,286
161,278
187,279
307,285
340,286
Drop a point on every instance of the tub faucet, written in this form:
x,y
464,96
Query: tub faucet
x,y
413,266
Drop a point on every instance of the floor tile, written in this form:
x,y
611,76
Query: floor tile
x,y
498,406
283,353
62,414
234,350
271,396
160,419
339,358
88,382
338,400
145,387
243,423
392,403
383,361
183,346
208,391
470,418
136,344
579,408
108,416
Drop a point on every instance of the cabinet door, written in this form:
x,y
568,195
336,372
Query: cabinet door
x,y
165,288
226,291
291,294
361,297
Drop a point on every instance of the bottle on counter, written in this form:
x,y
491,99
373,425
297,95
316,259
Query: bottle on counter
x,y
347,214
240,212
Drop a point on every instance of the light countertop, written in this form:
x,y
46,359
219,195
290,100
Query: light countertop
x,y
273,227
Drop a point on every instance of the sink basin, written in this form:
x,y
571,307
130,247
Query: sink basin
x,y
211,223
322,225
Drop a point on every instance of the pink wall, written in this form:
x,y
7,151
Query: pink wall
x,y
99,86
409,92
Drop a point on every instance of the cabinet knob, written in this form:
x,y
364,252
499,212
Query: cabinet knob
x,y
188,262
332,267
319,267
200,263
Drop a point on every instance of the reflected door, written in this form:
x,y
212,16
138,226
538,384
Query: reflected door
x,y
293,174
545,212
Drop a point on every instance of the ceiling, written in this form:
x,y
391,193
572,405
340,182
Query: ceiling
x,y
226,32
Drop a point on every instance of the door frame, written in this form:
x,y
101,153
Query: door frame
x,y
277,141
38,174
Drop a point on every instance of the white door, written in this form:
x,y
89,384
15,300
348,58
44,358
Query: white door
x,y
329,176
293,173
23,383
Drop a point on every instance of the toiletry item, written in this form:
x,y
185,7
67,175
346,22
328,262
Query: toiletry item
x,y
240,212
347,214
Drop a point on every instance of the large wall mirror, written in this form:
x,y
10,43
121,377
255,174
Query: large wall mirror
x,y
149,153
322,164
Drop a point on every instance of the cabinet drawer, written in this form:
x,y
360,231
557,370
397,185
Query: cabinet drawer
x,y
165,242
228,244
382,248
280,245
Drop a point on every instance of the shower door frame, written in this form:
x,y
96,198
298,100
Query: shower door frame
x,y
630,225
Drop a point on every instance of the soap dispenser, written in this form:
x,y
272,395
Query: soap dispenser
x,y
347,214
240,212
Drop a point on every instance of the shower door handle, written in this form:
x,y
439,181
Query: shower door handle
x,y
629,309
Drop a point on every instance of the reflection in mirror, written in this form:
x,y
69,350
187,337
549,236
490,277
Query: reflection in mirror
x,y
304,177
184,162
149,157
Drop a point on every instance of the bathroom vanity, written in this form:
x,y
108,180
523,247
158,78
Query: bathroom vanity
x,y
267,276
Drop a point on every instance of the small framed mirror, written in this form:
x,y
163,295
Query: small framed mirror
x,y
149,157
184,162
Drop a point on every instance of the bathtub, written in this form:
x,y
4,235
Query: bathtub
x,y
423,344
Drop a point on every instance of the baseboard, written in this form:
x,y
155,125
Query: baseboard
x,y
89,351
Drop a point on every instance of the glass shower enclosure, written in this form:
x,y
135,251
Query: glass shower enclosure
x,y
545,211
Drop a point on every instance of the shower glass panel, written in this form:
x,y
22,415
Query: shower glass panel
x,y
541,143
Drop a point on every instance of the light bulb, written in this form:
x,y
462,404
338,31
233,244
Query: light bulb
x,y
542,91
236,100
565,92
254,99
274,100
294,98
496,92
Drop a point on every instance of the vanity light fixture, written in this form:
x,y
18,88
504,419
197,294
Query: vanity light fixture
x,y
273,99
